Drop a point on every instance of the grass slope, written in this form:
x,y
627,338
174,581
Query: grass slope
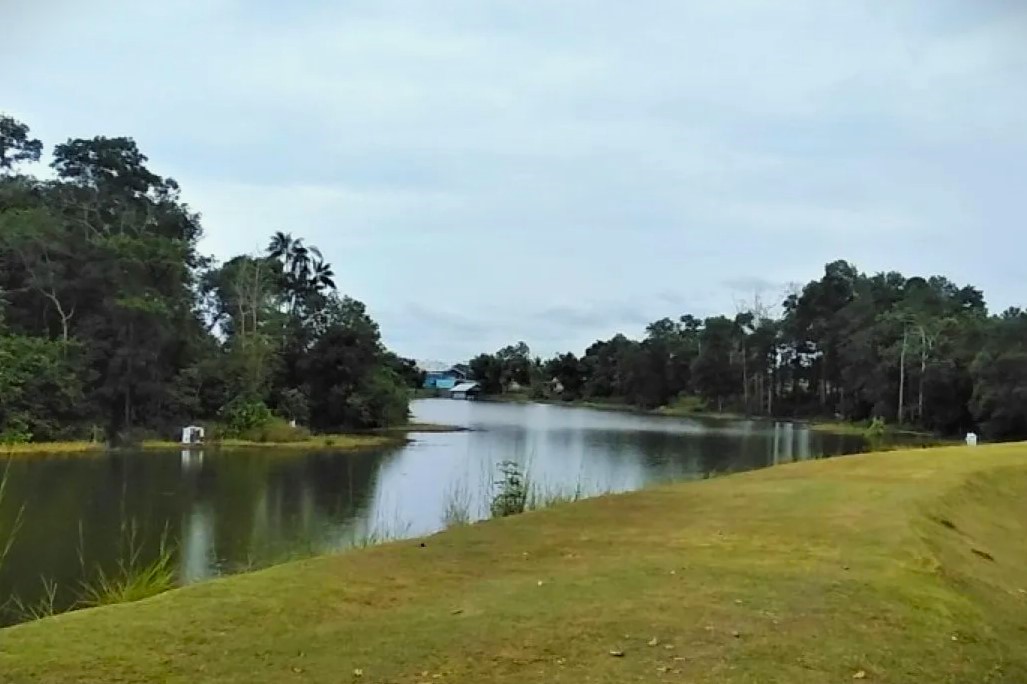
x,y
899,567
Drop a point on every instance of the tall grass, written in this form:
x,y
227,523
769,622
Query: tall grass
x,y
8,535
457,509
540,496
380,532
133,579
44,606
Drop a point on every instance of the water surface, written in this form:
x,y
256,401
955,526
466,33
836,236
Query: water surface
x,y
225,512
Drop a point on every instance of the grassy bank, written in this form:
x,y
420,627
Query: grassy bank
x,y
341,442
51,448
680,410
860,428
909,566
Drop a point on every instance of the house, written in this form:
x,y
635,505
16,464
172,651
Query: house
x,y
447,379
465,390
461,370
442,380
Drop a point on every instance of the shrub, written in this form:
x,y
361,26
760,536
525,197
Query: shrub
x,y
275,430
875,433
15,431
243,415
511,496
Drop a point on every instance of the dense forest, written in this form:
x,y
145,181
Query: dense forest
x,y
912,351
113,325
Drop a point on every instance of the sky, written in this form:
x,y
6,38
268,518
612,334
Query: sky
x,y
480,172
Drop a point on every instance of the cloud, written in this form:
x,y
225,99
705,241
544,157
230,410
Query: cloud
x,y
480,173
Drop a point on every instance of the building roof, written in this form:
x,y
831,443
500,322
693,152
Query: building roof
x,y
465,387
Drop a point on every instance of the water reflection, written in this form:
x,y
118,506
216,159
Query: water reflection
x,y
228,512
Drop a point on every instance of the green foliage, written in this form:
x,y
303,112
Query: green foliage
x,y
16,145
876,430
512,487
133,578
111,317
242,416
132,581
380,401
15,431
294,405
999,372
347,378
848,346
275,431
40,384
688,403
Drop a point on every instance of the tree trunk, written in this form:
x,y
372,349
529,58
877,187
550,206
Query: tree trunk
x,y
902,376
923,371
823,382
745,380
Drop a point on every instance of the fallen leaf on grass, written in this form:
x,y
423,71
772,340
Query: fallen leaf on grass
x,y
617,654
654,642
860,675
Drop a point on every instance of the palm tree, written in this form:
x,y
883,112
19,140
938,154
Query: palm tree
x,y
323,277
297,263
281,246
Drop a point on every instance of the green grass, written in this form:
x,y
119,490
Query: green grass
x,y
859,428
51,448
907,566
340,442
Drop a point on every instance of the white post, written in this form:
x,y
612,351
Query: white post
x,y
971,439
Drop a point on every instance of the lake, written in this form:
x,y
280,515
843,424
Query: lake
x,y
227,512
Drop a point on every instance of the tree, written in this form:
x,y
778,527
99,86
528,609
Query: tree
x,y
104,296
999,401
348,378
16,145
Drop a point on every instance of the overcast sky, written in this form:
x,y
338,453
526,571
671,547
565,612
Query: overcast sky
x,y
480,172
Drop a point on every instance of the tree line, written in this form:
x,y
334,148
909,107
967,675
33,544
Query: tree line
x,y
112,323
913,351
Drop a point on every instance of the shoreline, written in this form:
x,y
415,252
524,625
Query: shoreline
x,y
837,427
349,441
867,523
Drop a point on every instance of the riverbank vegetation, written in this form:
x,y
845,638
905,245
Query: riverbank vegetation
x,y
114,327
917,352
899,567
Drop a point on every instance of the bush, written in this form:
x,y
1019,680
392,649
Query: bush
x,y
875,433
511,496
242,416
15,431
275,430
383,400
689,403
